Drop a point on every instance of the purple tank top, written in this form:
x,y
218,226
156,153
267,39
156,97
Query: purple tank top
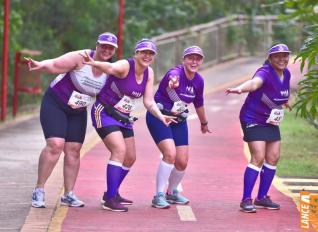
x,y
188,91
116,88
272,95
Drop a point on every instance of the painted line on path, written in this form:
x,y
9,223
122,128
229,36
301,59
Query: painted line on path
x,y
185,213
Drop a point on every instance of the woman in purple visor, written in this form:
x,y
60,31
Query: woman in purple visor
x,y
260,116
181,86
111,114
63,113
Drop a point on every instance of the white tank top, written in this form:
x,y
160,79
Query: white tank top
x,y
84,80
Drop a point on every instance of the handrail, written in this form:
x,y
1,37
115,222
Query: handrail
x,y
222,39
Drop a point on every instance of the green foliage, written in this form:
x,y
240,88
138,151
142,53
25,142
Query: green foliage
x,y
56,27
307,103
296,159
307,100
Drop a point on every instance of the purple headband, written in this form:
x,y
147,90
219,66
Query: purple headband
x,y
278,48
146,44
193,50
108,38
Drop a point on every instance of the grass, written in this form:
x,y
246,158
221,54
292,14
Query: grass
x,y
299,148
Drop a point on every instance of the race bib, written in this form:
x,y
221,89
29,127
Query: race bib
x,y
78,100
125,105
276,116
178,107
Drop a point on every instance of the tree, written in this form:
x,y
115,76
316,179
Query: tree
x,y
306,12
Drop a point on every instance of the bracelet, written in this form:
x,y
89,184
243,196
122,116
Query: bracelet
x,y
204,123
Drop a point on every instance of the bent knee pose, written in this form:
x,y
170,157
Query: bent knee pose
x,y
63,113
180,86
260,117
129,79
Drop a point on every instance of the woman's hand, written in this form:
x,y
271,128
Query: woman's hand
x,y
87,59
33,64
236,90
287,106
174,82
168,119
205,128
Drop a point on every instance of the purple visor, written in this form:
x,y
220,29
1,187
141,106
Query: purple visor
x,y
278,48
193,50
108,38
146,44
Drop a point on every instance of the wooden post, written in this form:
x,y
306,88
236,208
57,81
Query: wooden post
x,y
5,55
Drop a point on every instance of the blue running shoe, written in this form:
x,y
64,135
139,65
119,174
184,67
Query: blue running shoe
x,y
266,203
247,206
159,201
71,200
38,198
177,198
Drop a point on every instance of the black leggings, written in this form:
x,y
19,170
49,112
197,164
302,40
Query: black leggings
x,y
60,120
104,131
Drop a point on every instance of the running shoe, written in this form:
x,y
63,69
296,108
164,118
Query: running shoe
x,y
177,198
123,201
71,200
159,201
247,206
113,205
38,198
119,198
266,203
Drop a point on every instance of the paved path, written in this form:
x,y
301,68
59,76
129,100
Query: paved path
x,y
20,145
213,183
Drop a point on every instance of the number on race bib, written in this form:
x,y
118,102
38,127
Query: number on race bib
x,y
125,105
178,107
78,100
276,116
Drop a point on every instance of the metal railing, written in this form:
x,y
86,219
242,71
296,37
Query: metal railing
x,y
224,39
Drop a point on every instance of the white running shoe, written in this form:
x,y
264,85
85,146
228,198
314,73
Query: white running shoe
x,y
71,200
38,198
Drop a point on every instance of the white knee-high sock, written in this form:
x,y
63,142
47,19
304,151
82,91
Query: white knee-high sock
x,y
163,174
174,179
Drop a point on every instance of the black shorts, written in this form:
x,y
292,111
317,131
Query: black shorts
x,y
255,132
104,131
61,121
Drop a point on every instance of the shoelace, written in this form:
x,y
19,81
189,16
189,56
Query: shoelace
x,y
72,197
267,199
39,195
248,201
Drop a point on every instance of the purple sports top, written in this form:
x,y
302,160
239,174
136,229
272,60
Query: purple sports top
x,y
116,88
271,95
188,90
81,80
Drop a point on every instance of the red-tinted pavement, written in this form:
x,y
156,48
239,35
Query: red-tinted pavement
x,y
213,183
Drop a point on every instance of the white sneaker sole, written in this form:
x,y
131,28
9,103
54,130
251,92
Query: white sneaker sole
x,y
123,203
248,211
178,202
160,207
38,206
115,210
264,207
70,205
